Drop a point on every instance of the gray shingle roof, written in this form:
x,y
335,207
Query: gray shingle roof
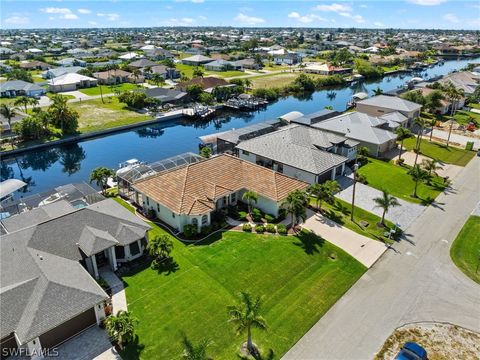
x,y
18,85
298,146
391,102
92,240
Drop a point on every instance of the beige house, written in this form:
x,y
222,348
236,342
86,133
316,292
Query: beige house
x,y
382,104
70,82
117,76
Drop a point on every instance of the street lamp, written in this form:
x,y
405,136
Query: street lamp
x,y
355,168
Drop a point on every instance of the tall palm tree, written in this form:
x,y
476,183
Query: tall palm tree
x,y
431,166
136,75
453,95
418,174
385,202
296,204
193,351
8,113
247,315
431,122
421,123
121,327
402,134
250,197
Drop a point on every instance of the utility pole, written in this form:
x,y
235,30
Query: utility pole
x,y
355,168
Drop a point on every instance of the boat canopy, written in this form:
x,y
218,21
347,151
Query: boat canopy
x,y
360,96
9,186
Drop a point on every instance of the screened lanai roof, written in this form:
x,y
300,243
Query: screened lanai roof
x,y
141,171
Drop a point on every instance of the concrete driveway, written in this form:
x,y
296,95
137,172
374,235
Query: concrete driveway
x,y
364,195
364,249
415,282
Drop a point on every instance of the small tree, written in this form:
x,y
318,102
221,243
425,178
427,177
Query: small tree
x,y
296,204
402,134
247,315
100,175
25,101
430,166
121,327
198,72
206,152
158,79
385,202
250,197
418,174
193,351
160,247
324,192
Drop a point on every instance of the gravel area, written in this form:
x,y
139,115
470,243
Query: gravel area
x,y
442,341
404,215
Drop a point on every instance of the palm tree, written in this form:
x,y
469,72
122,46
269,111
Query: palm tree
x,y
385,202
195,352
160,247
121,327
25,101
430,166
418,174
247,83
197,72
402,134
8,113
378,91
296,204
250,197
431,122
324,192
453,95
158,79
100,175
421,123
247,315
136,74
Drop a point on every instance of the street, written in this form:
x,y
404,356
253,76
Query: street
x,y
416,281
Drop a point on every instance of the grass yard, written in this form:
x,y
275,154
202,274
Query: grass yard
x,y
95,115
440,152
365,223
296,274
384,175
465,117
187,70
273,80
465,250
107,89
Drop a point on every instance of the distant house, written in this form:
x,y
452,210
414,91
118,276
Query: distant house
x,y
70,82
190,194
248,64
196,60
164,71
168,95
35,65
222,65
158,54
49,262
117,76
71,62
287,59
142,63
130,56
56,72
464,80
382,104
15,88
207,83
5,53
326,69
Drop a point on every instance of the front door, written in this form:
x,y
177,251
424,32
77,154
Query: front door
x,y
101,259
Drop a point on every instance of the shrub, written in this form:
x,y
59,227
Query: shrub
x,y
269,218
281,229
247,227
259,229
256,215
207,229
242,215
151,214
361,178
281,216
190,230
270,228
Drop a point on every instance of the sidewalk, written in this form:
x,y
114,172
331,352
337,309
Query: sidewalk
x,y
119,299
365,250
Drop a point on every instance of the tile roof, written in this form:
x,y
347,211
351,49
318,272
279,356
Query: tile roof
x,y
193,189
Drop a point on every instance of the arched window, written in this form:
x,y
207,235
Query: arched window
x,y
204,220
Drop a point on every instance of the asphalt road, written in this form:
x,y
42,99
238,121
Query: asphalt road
x,y
416,281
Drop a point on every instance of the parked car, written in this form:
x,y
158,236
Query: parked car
x,y
412,351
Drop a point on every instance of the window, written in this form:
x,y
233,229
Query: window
x,y
234,197
158,207
173,215
134,248
148,201
195,222
204,220
244,152
119,252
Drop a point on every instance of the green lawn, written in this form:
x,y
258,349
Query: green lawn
x,y
365,223
110,89
296,275
465,250
440,152
465,117
384,175
187,70
95,115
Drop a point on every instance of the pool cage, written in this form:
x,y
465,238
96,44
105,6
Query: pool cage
x,y
129,175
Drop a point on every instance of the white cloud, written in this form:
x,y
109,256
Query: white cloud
x,y
93,23
84,11
17,20
185,21
109,16
379,24
248,20
203,18
427,2
451,18
334,8
64,13
305,19
357,18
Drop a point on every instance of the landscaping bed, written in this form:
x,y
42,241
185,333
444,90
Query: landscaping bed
x,y
465,250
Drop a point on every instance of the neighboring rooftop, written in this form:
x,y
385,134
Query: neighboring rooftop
x,y
391,102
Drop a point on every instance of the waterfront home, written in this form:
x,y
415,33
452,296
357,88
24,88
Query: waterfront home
x,y
326,69
168,95
15,88
117,76
49,266
56,72
464,80
296,117
208,83
158,54
305,153
70,82
384,104
369,131
190,194
196,60
445,105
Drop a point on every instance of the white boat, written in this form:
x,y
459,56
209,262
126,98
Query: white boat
x,y
127,166
52,198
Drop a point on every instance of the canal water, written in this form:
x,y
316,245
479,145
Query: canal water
x,y
58,165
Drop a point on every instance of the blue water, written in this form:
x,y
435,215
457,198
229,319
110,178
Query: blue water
x,y
59,165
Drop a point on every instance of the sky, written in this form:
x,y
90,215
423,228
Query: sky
x,y
407,14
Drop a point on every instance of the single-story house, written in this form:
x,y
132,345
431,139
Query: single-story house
x,y
168,95
56,72
130,56
5,53
221,65
196,60
117,76
35,65
190,194
207,83
287,59
248,64
384,104
158,54
71,62
302,152
48,270
466,80
164,71
70,82
445,105
369,131
326,69
296,117
142,63
15,88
